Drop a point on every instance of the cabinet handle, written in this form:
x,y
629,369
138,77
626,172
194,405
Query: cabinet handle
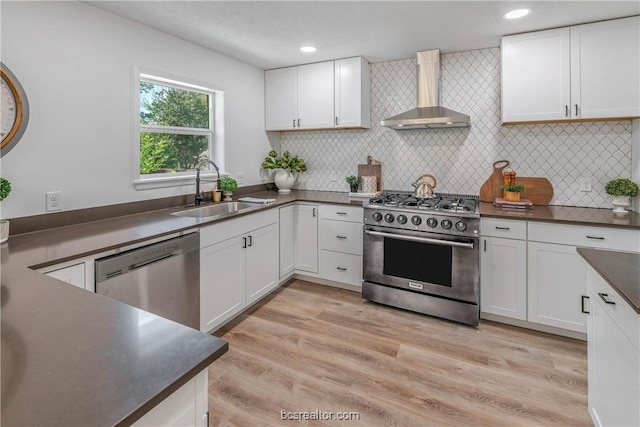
x,y
582,304
341,268
244,243
298,122
336,121
503,228
595,237
314,212
294,122
485,245
250,240
566,111
576,110
341,237
605,298
341,213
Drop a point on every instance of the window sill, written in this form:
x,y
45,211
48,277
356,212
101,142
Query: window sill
x,y
173,181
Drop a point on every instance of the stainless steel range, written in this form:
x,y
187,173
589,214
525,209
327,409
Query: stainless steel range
x,y
422,254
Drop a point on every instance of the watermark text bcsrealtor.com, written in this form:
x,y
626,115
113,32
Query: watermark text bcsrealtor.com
x,y
318,415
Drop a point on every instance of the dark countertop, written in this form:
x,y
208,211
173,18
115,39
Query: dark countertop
x,y
564,214
621,270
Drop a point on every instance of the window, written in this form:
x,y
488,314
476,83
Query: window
x,y
177,126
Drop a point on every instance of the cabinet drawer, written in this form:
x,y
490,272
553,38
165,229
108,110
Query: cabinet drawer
x,y
341,236
507,228
621,313
339,267
342,213
578,235
220,231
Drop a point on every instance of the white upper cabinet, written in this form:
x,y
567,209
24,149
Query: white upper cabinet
x,y
605,69
536,76
324,95
315,96
352,93
585,72
281,94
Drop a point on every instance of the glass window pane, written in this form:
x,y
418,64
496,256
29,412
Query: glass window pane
x,y
167,106
167,152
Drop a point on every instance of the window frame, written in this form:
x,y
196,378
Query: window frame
x,y
217,151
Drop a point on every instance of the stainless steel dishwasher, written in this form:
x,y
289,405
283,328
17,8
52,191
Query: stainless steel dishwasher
x,y
162,278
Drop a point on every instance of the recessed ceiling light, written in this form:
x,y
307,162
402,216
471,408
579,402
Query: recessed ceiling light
x,y
517,13
308,49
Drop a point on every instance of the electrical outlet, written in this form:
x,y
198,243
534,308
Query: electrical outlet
x,y
240,178
54,200
333,177
585,184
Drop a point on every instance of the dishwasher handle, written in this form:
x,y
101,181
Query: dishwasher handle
x,y
124,262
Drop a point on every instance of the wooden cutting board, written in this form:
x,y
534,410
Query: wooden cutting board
x,y
538,190
372,168
492,187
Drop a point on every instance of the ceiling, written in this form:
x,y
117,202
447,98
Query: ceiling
x,y
269,34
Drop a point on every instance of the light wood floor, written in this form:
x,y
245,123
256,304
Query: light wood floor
x,y
313,348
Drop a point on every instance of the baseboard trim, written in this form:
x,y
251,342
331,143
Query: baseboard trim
x,y
534,326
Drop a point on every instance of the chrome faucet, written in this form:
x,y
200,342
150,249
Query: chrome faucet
x,y
199,197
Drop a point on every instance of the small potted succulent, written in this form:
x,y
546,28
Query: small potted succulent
x,y
228,185
5,190
286,168
354,182
622,189
512,193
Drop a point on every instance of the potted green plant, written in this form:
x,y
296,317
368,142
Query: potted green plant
x,y
512,193
5,190
622,189
354,182
286,169
228,185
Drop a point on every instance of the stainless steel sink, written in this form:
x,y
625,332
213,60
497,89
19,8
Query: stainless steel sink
x,y
217,210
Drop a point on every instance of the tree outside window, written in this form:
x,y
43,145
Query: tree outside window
x,y
176,127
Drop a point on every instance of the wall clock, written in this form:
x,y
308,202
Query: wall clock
x,y
14,110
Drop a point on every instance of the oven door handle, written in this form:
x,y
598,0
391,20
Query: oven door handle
x,y
420,239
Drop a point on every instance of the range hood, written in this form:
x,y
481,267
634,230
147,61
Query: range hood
x,y
429,113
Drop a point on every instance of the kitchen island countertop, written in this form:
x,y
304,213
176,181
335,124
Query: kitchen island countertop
x,y
621,270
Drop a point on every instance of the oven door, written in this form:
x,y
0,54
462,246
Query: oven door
x,y
431,263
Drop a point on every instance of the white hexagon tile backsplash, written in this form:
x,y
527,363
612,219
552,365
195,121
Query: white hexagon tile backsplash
x,y
462,158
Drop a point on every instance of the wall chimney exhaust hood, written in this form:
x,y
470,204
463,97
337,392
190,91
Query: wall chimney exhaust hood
x,y
429,113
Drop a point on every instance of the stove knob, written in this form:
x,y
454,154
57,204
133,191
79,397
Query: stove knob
x,y
377,216
402,219
461,226
446,224
388,217
432,222
416,220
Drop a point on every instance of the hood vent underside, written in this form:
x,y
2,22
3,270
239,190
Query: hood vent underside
x,y
429,114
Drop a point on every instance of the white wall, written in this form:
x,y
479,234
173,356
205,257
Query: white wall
x,y
76,63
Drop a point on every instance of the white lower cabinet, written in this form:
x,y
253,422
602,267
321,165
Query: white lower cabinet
x,y
530,271
221,279
74,274
556,284
503,269
287,240
613,360
236,269
306,237
341,229
186,407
